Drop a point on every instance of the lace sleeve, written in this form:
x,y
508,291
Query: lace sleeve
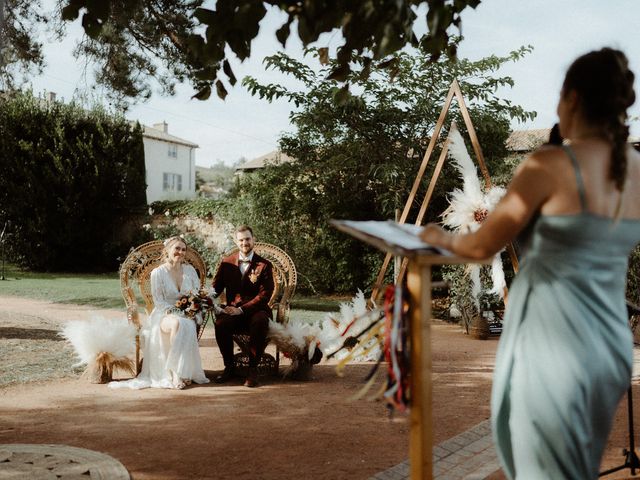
x,y
157,291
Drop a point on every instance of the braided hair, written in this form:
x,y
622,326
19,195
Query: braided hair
x,y
604,84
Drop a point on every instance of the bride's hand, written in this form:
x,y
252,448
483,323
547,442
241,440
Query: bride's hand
x,y
435,235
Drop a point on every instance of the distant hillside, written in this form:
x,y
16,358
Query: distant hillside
x,y
215,181
214,173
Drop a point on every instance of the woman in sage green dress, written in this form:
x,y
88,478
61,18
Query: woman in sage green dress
x,y
565,355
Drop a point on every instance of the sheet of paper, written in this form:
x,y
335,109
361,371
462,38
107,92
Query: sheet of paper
x,y
389,235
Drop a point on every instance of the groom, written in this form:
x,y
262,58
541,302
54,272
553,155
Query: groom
x,y
247,280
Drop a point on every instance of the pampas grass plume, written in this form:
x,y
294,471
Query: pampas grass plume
x,y
98,335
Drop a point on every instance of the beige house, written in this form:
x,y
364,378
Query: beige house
x,y
524,141
272,158
170,164
519,142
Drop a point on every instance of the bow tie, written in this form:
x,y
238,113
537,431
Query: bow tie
x,y
244,260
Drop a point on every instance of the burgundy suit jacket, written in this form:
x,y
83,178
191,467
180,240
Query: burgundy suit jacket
x,y
251,291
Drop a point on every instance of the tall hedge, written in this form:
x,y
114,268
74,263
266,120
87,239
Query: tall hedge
x,y
69,180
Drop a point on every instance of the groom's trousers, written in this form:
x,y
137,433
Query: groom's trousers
x,y
255,325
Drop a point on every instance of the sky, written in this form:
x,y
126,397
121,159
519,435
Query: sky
x,y
243,126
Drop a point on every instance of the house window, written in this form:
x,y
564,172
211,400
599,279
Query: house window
x,y
171,182
173,150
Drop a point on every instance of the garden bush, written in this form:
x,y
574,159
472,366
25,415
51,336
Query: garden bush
x,y
72,180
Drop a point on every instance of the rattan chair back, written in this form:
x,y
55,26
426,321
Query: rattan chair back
x,y
285,277
135,272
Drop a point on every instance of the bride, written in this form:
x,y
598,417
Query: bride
x,y
171,358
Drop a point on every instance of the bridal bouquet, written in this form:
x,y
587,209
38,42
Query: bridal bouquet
x,y
194,304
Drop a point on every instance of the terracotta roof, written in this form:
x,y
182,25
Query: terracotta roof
x,y
156,134
271,158
527,140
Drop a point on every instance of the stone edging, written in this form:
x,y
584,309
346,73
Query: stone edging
x,y
55,462
467,456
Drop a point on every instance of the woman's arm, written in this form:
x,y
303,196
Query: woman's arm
x,y
531,186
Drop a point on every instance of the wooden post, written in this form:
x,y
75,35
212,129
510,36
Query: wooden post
x,y
421,435
414,189
419,290
427,198
454,91
397,260
475,143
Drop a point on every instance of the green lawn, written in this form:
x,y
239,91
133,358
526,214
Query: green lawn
x,y
103,291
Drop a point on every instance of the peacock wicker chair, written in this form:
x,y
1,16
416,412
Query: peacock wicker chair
x,y
285,279
135,272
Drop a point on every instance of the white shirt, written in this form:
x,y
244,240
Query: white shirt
x,y
244,265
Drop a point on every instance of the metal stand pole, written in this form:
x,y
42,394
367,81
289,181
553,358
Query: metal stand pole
x,y
2,276
631,460
4,230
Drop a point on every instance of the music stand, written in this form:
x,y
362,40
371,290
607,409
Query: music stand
x,y
631,460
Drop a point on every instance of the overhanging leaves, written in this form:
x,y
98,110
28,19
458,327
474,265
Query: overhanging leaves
x,y
148,31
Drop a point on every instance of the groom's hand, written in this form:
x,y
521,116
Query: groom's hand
x,y
232,310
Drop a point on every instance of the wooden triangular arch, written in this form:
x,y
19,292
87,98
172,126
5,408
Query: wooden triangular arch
x,y
454,90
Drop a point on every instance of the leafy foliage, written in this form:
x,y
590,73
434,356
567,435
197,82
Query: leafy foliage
x,y
199,207
132,41
163,231
220,174
358,158
71,178
20,52
633,277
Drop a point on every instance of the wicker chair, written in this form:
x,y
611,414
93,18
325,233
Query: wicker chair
x,y
135,271
285,281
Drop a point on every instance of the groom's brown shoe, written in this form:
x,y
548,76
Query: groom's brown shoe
x,y
225,376
252,378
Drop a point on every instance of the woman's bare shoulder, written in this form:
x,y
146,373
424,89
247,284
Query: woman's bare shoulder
x,y
544,160
547,153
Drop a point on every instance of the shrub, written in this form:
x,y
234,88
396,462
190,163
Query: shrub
x,y
199,207
633,278
71,181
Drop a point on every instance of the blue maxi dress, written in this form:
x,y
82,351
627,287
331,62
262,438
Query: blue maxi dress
x,y
565,356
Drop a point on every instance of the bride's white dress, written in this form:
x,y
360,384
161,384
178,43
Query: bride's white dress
x,y
160,359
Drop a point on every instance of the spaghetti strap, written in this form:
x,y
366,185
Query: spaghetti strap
x,y
579,181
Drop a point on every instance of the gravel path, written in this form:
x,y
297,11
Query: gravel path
x,y
30,347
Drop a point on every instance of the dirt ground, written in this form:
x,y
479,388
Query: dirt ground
x,y
283,430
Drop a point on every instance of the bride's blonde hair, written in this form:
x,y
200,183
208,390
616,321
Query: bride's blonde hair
x,y
167,244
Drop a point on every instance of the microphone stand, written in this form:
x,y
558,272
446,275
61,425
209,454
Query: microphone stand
x,y
631,460
4,229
